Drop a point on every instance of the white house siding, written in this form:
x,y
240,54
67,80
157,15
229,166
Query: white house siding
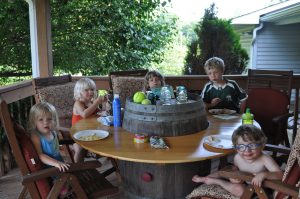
x,y
277,47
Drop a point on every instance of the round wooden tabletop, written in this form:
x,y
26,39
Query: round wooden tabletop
x,y
189,148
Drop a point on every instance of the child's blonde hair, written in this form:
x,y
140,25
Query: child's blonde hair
x,y
81,85
151,74
214,63
249,133
40,110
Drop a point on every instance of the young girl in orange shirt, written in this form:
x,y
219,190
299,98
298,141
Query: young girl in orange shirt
x,y
86,104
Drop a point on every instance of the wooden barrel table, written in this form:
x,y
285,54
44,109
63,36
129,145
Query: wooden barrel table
x,y
165,120
163,181
157,173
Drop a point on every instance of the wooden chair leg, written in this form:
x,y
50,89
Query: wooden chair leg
x,y
23,193
117,170
248,192
58,185
260,192
77,187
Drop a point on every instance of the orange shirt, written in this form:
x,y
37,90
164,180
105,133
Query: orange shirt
x,y
76,118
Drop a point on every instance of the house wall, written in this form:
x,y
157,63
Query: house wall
x,y
277,47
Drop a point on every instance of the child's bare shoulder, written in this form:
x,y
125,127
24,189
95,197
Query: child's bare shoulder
x,y
78,103
266,157
34,136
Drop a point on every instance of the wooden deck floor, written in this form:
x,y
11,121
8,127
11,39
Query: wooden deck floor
x,y
11,187
10,183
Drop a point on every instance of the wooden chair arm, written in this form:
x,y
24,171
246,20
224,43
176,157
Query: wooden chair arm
x,y
282,187
66,142
65,132
63,129
53,171
229,172
281,118
277,149
277,185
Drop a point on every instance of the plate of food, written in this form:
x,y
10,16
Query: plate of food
x,y
91,135
218,143
223,111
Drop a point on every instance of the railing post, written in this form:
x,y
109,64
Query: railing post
x,y
295,127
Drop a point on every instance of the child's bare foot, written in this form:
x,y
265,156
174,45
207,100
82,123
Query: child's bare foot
x,y
198,179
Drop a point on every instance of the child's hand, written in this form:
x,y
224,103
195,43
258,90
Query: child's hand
x,y
103,98
62,166
100,99
258,179
215,101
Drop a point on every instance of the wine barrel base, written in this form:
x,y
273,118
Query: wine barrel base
x,y
160,181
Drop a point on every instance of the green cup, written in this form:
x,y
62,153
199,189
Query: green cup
x,y
102,92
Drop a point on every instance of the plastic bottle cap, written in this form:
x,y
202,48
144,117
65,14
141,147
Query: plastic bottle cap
x,y
116,96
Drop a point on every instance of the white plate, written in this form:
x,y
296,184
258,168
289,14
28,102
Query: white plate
x,y
219,141
91,135
221,111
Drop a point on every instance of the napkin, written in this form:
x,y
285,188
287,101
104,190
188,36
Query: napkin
x,y
226,117
106,120
158,142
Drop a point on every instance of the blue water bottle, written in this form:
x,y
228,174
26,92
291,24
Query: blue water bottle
x,y
117,110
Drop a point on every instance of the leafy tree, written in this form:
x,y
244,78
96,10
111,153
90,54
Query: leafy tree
x,y
95,37
14,38
90,37
188,32
216,37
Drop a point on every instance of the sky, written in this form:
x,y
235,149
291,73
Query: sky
x,y
193,10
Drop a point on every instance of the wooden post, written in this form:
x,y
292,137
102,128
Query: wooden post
x,y
40,34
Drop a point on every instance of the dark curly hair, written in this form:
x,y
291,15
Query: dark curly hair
x,y
249,132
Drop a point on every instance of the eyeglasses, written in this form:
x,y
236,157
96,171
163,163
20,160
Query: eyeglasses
x,y
243,147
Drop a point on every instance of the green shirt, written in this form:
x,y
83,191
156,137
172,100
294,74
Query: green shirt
x,y
230,94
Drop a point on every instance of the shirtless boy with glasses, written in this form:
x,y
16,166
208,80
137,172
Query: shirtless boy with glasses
x,y
249,142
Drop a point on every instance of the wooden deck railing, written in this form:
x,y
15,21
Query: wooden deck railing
x,y
20,95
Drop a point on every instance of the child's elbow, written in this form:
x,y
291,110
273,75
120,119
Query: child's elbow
x,y
42,158
84,116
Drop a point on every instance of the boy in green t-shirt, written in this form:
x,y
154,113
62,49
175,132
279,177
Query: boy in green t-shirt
x,y
219,92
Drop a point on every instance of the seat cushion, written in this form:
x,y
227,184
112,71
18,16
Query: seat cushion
x,y
62,97
214,191
32,159
126,86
